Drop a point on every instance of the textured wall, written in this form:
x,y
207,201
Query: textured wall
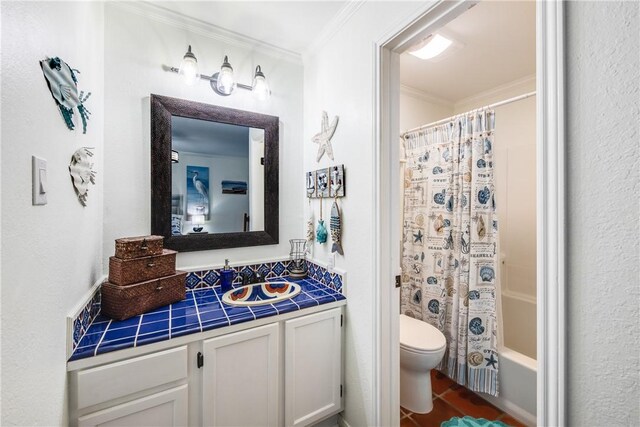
x,y
603,74
52,254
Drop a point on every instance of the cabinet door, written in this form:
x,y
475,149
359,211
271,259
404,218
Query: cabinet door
x,y
313,367
167,408
240,378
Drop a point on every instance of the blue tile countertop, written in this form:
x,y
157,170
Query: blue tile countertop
x,y
202,310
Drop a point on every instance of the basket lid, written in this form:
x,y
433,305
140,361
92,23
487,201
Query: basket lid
x,y
139,239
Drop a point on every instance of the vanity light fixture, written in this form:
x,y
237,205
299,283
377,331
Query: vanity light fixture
x,y
260,87
189,68
431,47
223,82
175,156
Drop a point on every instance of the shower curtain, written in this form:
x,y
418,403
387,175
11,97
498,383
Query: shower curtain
x,y
450,236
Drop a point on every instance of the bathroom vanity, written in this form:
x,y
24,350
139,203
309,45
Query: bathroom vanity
x,y
280,367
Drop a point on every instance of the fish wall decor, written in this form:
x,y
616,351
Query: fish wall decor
x,y
63,85
335,225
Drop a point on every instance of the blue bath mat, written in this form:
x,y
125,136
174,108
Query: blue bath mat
x,y
471,422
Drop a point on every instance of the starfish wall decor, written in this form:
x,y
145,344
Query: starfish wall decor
x,y
323,138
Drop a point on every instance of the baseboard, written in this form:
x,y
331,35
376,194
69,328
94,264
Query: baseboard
x,y
332,421
342,422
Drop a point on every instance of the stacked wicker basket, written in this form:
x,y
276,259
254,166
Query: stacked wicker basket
x,y
142,276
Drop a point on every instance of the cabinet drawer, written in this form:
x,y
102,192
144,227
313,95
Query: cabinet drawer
x,y
165,409
107,382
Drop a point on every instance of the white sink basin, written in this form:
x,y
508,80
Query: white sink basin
x,y
261,293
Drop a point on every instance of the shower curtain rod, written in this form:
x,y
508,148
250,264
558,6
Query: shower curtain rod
x,y
494,105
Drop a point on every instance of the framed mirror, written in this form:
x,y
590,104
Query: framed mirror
x,y
214,175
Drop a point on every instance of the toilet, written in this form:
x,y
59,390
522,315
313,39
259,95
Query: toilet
x,y
421,349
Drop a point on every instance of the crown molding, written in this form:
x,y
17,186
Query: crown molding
x,y
496,91
205,29
333,26
424,96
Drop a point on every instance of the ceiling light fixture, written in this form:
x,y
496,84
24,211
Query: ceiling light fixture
x,y
431,47
223,82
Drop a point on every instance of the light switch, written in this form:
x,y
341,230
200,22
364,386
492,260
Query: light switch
x,y
43,180
39,180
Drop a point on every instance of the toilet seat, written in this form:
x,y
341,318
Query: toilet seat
x,y
417,336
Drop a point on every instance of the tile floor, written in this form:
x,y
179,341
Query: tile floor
x,y
453,400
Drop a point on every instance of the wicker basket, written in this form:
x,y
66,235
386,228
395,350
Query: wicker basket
x,y
123,302
136,247
126,271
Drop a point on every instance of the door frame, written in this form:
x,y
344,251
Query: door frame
x,y
550,141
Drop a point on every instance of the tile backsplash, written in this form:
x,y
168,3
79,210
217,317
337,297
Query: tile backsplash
x,y
269,270
209,279
85,317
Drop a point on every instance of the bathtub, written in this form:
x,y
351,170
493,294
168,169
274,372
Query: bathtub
x,y
517,379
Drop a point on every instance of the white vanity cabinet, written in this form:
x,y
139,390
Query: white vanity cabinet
x,y
240,378
286,372
313,367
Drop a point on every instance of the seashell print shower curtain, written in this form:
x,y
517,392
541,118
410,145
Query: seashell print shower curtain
x,y
450,234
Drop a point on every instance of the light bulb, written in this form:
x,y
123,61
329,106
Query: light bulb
x,y
260,88
189,68
226,83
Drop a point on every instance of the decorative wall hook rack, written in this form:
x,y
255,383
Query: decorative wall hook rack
x,y
326,183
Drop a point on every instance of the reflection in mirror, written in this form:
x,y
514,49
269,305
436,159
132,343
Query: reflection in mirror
x,y
217,177
214,175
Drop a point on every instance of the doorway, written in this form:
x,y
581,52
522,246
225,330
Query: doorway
x,y
549,202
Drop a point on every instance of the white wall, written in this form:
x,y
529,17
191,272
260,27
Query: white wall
x,y
52,254
136,48
418,108
603,78
339,78
515,175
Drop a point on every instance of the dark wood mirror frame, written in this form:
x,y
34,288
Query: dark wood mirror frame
x,y
162,108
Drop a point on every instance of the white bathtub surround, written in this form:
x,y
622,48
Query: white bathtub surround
x,y
517,379
449,257
515,176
